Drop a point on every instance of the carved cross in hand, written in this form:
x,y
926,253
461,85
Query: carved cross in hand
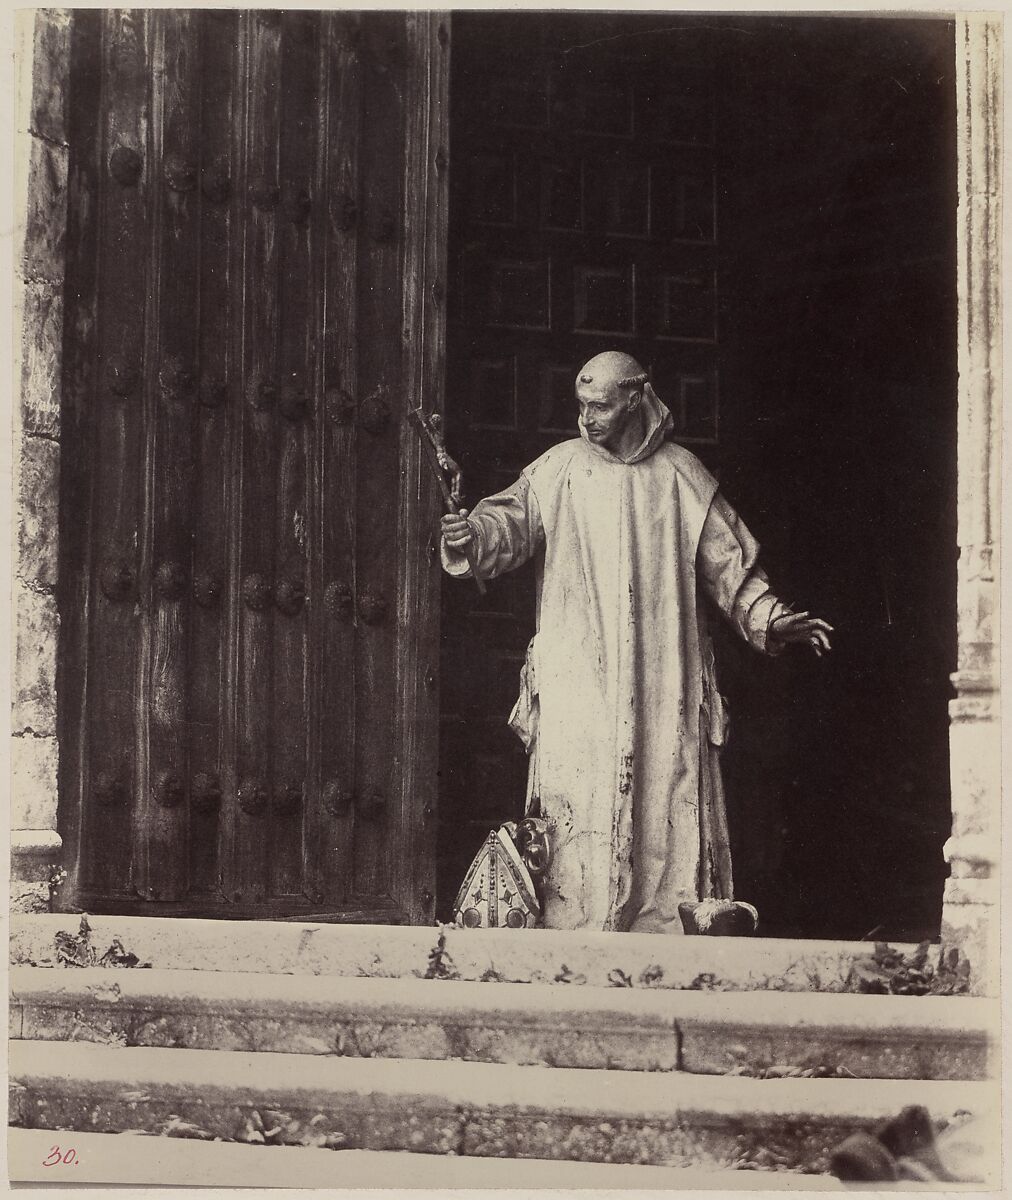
x,y
455,476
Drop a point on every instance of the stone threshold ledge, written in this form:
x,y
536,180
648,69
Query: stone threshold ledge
x,y
481,1109
637,1029
515,956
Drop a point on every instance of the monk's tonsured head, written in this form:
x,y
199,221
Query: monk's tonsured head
x,y
609,389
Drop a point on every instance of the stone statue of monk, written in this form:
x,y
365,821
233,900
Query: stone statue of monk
x,y
619,707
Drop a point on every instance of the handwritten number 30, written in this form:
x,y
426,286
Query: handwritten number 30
x,y
55,1157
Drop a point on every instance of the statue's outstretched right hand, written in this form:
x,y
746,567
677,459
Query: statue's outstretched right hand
x,y
457,533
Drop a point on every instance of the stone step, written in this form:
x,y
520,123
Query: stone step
x,y
119,1158
639,1029
565,957
477,1109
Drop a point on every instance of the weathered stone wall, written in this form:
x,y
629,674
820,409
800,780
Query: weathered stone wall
x,y
970,913
43,46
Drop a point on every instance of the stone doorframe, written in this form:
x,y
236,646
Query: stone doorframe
x,y
970,909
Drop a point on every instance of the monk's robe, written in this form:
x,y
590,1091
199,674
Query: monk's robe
x,y
619,707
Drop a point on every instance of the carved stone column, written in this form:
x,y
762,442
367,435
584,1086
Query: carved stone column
x,y
970,910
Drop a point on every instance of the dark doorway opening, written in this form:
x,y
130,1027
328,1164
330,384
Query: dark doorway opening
x,y
762,210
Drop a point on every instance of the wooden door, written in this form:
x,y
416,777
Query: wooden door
x,y
583,218
249,623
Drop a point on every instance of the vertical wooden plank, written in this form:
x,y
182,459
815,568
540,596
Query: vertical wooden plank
x,y
256,513
170,379
235,423
297,342
79,422
328,829
377,465
212,774
424,324
115,781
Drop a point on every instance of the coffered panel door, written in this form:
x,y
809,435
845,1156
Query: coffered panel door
x,y
249,607
582,219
